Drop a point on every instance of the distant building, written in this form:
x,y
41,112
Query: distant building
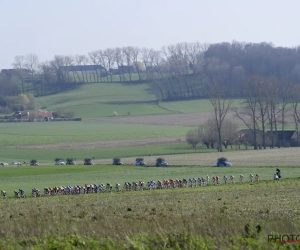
x,y
126,69
21,115
98,69
15,72
43,114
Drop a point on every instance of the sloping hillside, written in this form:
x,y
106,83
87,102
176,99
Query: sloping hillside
x,y
103,99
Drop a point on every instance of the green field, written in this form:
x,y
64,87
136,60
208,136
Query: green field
x,y
29,177
102,99
53,132
232,216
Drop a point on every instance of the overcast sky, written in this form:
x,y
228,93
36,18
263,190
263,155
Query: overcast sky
x,y
70,27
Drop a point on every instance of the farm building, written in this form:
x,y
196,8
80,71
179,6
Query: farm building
x,y
286,138
43,114
21,115
92,69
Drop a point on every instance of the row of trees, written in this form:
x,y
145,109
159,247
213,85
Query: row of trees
x,y
267,106
179,71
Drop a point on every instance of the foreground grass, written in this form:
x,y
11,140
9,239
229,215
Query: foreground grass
x,y
216,217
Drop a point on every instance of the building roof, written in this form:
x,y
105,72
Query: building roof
x,y
83,68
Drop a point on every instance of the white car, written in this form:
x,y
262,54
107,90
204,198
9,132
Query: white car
x,y
59,163
16,163
3,164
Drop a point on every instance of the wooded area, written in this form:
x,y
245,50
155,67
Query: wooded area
x,y
179,71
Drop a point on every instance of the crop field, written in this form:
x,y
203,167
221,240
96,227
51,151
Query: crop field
x,y
55,132
231,216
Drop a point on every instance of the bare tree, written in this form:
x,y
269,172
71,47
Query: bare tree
x,y
18,64
81,61
248,112
192,138
285,98
128,56
31,63
208,133
229,132
120,62
295,107
110,60
221,101
272,85
135,53
94,58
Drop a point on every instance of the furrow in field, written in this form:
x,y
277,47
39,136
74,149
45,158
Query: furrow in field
x,y
101,144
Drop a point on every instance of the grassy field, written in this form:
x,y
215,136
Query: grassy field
x,y
54,132
239,216
102,99
48,155
26,177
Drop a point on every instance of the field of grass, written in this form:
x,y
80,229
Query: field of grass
x,y
53,132
26,177
239,216
191,106
102,99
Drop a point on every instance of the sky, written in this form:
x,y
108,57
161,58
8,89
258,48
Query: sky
x,y
77,27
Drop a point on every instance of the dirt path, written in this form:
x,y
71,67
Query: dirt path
x,y
101,144
190,119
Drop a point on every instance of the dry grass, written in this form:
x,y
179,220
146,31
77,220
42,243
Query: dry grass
x,y
211,212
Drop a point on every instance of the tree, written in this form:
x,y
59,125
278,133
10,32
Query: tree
x,y
229,132
23,99
295,106
208,133
192,138
249,111
221,101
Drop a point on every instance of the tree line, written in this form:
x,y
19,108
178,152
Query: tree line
x,y
177,71
269,105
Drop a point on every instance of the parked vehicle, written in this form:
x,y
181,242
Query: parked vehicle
x,y
88,161
160,162
34,163
16,163
70,161
222,162
3,164
117,161
59,161
140,162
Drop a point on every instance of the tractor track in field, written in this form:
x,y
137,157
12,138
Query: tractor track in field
x,y
189,119
100,144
